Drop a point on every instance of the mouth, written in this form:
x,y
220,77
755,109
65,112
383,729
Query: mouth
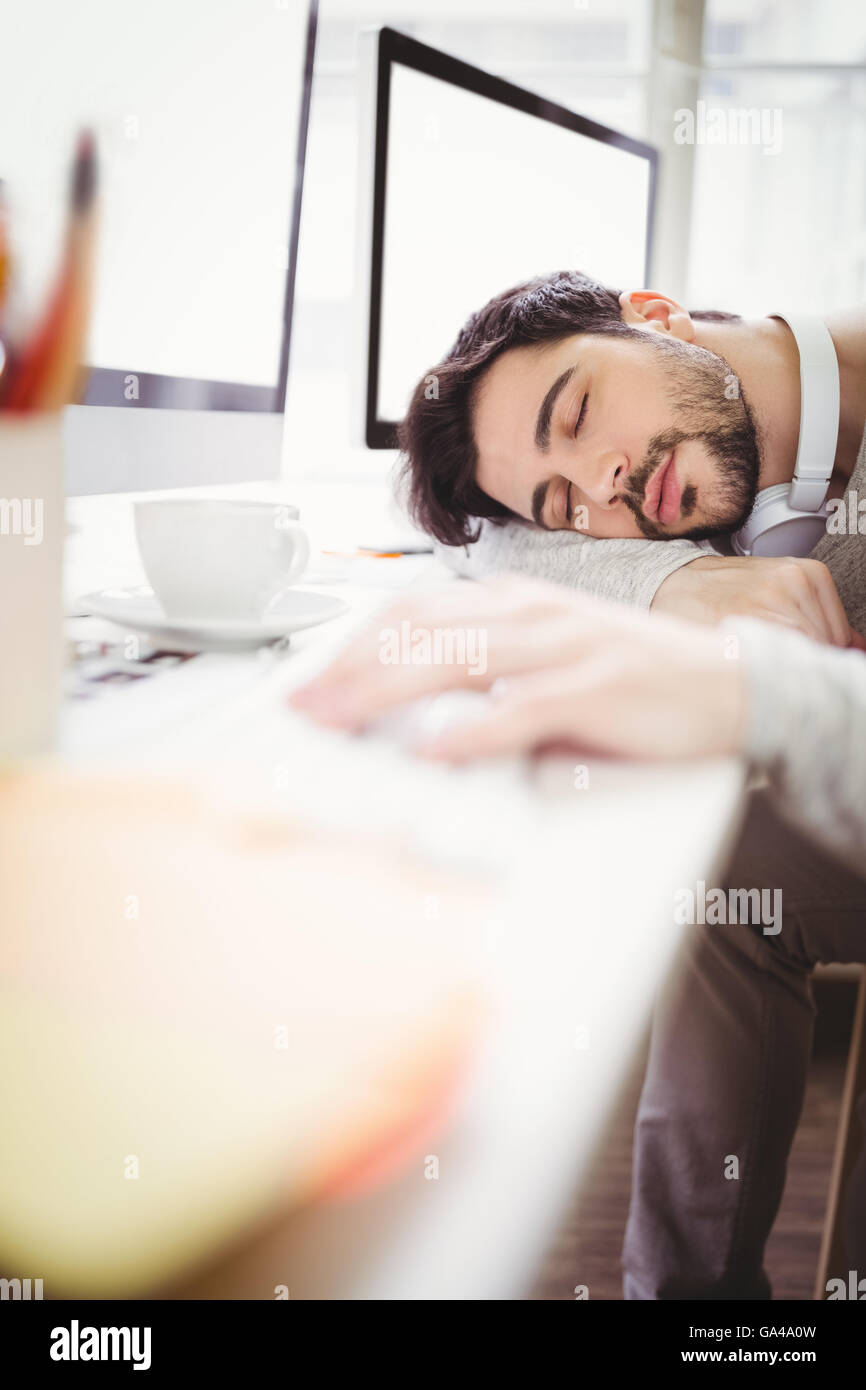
x,y
663,492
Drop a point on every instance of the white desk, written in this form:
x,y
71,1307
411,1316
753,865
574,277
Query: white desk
x,y
585,936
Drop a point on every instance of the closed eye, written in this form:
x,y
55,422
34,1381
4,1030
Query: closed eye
x,y
582,416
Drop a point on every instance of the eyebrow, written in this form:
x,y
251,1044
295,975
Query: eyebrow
x,y
545,412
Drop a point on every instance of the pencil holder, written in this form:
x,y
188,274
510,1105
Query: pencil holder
x,y
31,556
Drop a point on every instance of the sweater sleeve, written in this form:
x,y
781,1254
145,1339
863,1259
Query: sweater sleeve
x,y
626,571
807,731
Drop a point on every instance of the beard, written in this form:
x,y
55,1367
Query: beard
x,y
709,407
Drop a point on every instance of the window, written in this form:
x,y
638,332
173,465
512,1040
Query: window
x,y
784,228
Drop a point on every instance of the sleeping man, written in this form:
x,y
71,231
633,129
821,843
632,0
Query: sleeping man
x,y
654,430
568,414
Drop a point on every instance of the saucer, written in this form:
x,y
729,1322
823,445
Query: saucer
x,y
139,608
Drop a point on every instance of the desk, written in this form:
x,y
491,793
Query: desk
x,y
586,935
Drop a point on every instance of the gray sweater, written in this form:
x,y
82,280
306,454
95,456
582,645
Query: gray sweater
x,y
807,703
807,732
627,571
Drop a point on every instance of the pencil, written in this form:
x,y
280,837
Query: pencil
x,y
367,554
5,259
5,272
47,374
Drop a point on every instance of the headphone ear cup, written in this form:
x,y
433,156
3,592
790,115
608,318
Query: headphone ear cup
x,y
775,529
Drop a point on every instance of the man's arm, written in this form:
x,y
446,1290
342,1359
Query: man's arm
x,y
624,571
686,579
598,677
806,721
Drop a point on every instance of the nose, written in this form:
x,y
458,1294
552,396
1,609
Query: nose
x,y
605,478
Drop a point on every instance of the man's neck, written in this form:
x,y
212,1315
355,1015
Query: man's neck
x,y
764,357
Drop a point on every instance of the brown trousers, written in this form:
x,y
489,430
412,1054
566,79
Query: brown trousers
x,y
724,1088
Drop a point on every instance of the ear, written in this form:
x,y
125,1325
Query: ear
x,y
656,313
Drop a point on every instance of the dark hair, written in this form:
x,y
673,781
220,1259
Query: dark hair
x,y
438,452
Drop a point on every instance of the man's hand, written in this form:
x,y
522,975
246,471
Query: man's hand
x,y
567,669
796,593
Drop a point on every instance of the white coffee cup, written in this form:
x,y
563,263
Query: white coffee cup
x,y
212,560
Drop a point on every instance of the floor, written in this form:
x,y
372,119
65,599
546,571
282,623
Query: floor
x,y
588,1245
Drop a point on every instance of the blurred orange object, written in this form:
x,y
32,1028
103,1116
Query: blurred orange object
x,y
45,373
207,1016
5,275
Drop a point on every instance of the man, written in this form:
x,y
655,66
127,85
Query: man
x,y
732,1036
568,414
563,396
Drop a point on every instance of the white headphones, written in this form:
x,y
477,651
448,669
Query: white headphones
x,y
790,519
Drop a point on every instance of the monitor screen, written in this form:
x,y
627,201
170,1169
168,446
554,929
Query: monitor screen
x,y
480,185
197,109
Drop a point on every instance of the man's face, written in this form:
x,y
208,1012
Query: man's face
x,y
633,435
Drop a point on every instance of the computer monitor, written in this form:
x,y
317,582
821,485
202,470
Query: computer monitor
x,y
200,114
473,185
